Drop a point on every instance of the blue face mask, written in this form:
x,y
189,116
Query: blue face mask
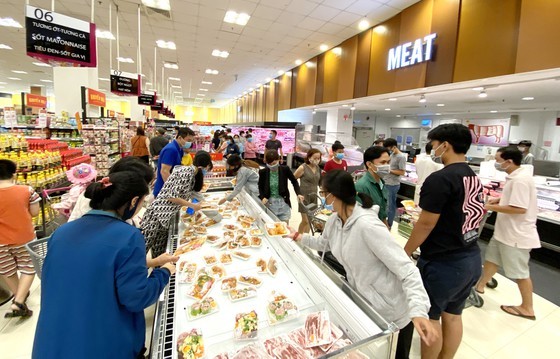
x,y
340,156
129,212
204,171
270,136
249,140
187,145
325,205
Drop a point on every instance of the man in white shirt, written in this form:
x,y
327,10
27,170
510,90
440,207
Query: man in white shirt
x,y
425,166
515,231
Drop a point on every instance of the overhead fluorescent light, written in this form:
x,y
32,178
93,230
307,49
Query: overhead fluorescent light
x,y
528,98
49,81
202,89
398,116
157,4
324,47
363,25
38,85
174,78
280,73
352,108
127,60
171,65
268,79
393,99
258,85
3,83
422,99
103,79
9,22
233,17
478,88
244,92
277,80
222,54
148,83
14,78
483,94
166,44
206,83
310,64
387,109
41,64
298,62
381,29
104,34
440,105
5,47
18,72
337,51
251,89
212,72
176,86
344,105
201,94
493,111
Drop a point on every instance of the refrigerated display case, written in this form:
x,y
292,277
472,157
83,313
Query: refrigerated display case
x,y
310,285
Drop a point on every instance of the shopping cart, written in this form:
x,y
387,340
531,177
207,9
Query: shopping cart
x,y
38,251
53,218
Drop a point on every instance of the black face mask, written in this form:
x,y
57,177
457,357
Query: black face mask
x,y
129,212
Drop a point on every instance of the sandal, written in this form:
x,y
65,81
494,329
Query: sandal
x,y
23,311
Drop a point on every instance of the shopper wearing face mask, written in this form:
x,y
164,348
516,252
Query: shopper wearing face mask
x,y
376,266
425,166
376,161
250,148
524,146
232,147
245,177
447,232
273,186
393,179
337,162
239,143
177,192
95,283
309,175
274,144
515,231
171,156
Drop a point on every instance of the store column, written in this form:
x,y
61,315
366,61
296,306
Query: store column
x,y
339,123
67,89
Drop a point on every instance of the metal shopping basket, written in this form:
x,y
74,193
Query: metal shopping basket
x,y
38,251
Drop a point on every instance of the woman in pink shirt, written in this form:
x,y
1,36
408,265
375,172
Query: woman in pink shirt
x,y
250,148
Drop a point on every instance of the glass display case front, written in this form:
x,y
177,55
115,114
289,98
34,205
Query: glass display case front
x,y
306,140
266,297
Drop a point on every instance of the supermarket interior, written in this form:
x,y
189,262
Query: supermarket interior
x,y
186,119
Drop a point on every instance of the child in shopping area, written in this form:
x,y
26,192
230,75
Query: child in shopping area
x,y
337,162
80,176
18,204
273,186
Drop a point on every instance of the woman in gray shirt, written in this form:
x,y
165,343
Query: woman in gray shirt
x,y
245,176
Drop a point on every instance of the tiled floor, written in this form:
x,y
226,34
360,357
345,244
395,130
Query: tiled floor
x,y
488,332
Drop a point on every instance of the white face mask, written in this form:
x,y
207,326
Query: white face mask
x,y
383,170
435,158
315,162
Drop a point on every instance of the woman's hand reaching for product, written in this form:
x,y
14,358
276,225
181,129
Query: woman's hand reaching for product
x,y
195,206
264,201
170,267
164,259
222,201
301,198
294,235
426,330
493,200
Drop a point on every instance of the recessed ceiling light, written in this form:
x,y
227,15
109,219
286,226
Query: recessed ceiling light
x,y
493,111
46,81
157,4
352,108
41,64
363,25
176,86
298,62
201,94
393,99
438,114
528,98
277,80
422,99
398,116
125,59
212,72
337,51
233,17
345,105
202,89
480,88
174,78
3,83
324,47
18,72
440,105
206,83
166,44
280,73
14,78
483,94
251,89
387,109
268,79
38,85
5,47
222,54
171,65
381,29
103,79
9,22
104,34
244,92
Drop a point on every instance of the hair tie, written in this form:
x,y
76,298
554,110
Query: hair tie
x,y
106,182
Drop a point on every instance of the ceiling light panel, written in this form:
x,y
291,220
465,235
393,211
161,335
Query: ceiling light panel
x,y
212,72
233,17
18,72
166,44
104,34
222,54
127,60
157,4
5,47
14,78
41,64
174,79
206,83
9,22
203,90
171,65
363,25
45,81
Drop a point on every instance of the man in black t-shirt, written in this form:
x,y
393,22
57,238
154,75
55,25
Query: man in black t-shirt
x,y
447,232
274,144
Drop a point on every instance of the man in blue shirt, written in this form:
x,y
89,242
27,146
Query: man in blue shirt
x,y
171,156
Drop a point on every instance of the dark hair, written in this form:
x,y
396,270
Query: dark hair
x,y
274,131
235,135
390,142
201,159
236,162
310,154
525,143
429,147
457,135
177,128
373,153
217,134
378,141
229,138
337,146
248,135
250,130
271,156
241,132
184,132
136,165
7,169
140,131
228,130
123,188
511,153
161,130
340,184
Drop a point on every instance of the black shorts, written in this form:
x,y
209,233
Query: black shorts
x,y
449,282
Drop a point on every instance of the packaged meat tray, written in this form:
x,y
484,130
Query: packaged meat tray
x,y
317,329
202,308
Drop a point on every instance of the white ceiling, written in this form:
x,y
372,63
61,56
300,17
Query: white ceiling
x,y
505,96
278,33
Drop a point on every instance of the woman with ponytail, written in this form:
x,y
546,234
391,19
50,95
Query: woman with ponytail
x,y
95,283
245,176
376,266
176,192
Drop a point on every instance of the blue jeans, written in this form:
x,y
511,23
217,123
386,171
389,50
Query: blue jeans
x,y
392,202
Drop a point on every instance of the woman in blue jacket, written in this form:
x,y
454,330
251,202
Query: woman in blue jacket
x,y
95,283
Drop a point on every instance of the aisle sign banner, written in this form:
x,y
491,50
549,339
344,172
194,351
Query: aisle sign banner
x,y
147,98
42,121
10,118
158,106
59,39
96,98
35,101
125,83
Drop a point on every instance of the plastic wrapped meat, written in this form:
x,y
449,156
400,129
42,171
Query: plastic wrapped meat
x,y
287,350
251,352
341,343
298,337
222,356
336,334
272,343
317,329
